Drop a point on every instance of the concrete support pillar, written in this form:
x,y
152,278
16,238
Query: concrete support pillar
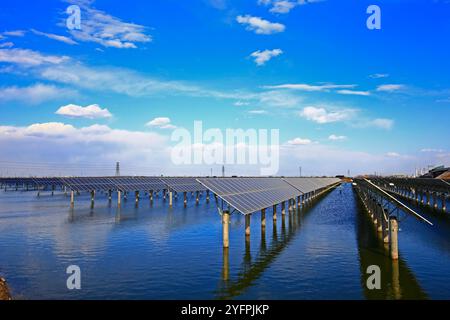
x,y
207,196
385,228
274,213
225,228
435,204
72,198
185,199
247,225
150,195
170,198
164,194
298,202
263,218
290,205
443,203
294,204
119,198
197,197
109,195
283,208
428,198
393,235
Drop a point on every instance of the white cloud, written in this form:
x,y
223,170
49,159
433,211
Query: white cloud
x,y
261,57
29,57
15,33
108,31
284,6
354,92
55,37
6,45
325,115
92,111
308,87
90,146
382,123
35,94
161,122
379,75
390,87
299,142
334,137
259,25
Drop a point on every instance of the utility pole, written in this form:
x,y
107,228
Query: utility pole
x,y
117,169
300,170
223,171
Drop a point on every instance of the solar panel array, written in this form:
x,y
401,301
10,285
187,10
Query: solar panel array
x,y
182,184
307,185
249,195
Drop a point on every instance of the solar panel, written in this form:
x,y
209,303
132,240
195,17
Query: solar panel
x,y
249,195
138,183
182,184
89,183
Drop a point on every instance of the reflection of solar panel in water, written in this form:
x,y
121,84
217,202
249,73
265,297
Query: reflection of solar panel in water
x,y
182,184
249,195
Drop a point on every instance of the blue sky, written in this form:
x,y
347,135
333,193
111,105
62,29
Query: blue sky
x,y
343,96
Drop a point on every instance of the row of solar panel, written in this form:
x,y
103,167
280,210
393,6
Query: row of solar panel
x,y
427,183
177,184
249,195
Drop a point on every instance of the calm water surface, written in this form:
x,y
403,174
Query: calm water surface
x,y
153,252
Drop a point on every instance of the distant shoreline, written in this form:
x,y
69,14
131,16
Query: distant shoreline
x,y
4,291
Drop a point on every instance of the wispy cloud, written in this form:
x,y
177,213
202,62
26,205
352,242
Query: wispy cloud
x,y
259,25
109,31
382,123
6,44
29,57
311,88
378,75
257,112
390,87
354,92
261,57
55,37
15,33
92,111
35,94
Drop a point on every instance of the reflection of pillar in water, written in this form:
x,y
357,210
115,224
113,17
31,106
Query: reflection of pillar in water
x,y
225,264
170,198
396,289
119,198
274,232
283,208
